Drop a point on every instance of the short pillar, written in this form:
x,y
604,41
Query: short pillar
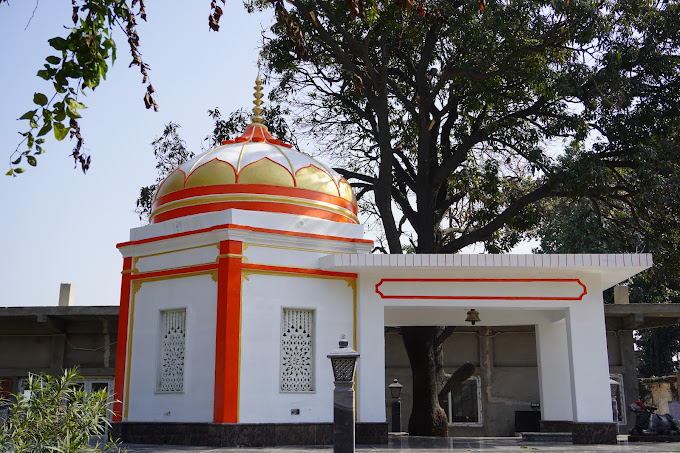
x,y
396,416
343,417
395,391
343,360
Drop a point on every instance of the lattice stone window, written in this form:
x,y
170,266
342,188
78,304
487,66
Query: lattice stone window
x,y
172,346
297,350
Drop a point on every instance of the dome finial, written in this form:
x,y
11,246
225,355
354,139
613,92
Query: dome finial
x,y
257,119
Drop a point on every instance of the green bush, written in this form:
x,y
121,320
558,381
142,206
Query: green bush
x,y
54,414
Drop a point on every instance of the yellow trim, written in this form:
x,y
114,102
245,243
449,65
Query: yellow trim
x,y
290,164
240,157
351,282
126,271
175,251
136,286
300,249
199,161
182,275
137,272
294,274
204,199
240,369
228,255
136,259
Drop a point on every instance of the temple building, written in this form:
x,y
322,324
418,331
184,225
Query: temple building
x,y
253,266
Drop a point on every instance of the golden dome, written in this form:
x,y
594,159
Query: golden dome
x,y
255,172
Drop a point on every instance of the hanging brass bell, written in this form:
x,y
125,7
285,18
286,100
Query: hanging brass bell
x,y
473,316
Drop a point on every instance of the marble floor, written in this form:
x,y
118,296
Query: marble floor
x,y
429,444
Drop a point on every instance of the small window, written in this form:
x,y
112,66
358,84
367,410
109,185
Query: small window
x,y
171,353
297,350
465,404
618,398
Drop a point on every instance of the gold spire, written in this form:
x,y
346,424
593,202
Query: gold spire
x,y
257,119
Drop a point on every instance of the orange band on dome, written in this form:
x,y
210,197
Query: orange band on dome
x,y
251,206
254,189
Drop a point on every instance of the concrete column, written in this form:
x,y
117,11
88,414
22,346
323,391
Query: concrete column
x,y
57,354
370,377
630,378
553,371
589,371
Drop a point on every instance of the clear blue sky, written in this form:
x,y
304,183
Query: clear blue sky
x,y
58,225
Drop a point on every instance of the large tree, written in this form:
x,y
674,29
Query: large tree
x,y
653,226
454,119
580,226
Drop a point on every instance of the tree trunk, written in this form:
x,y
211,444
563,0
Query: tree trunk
x,y
424,349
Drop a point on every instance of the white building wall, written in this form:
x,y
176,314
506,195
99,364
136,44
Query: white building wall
x,y
371,345
198,294
263,298
553,366
586,334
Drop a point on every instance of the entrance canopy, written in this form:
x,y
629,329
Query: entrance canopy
x,y
560,295
612,268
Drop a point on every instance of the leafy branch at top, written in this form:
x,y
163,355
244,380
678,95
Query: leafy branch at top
x,y
81,62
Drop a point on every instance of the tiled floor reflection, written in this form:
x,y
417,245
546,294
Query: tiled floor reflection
x,y
436,444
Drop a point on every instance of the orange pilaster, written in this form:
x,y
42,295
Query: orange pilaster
x,y
228,334
121,348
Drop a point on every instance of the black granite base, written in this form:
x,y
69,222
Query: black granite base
x,y
547,437
241,434
653,438
556,426
594,433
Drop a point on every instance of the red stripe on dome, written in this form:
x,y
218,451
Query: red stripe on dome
x,y
262,206
259,189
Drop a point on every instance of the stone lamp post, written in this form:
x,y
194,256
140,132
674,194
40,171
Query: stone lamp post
x,y
395,391
343,360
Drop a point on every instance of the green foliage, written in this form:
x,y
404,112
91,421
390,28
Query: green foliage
x,y
582,226
659,346
171,152
81,62
236,123
465,118
55,415
461,119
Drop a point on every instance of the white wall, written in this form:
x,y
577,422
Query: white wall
x,y
198,294
589,364
553,366
263,297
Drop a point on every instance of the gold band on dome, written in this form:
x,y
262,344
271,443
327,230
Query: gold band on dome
x,y
205,199
257,119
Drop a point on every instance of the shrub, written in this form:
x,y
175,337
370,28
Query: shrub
x,y
54,414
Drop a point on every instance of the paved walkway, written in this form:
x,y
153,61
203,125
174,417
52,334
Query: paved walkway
x,y
429,444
